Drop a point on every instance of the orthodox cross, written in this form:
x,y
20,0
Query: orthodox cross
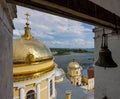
x,y
27,18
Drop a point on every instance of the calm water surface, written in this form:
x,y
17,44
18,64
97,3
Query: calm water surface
x,y
82,58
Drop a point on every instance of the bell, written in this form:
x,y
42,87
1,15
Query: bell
x,y
105,58
105,97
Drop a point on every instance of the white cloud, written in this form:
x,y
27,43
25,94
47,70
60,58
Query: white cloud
x,y
18,33
53,30
75,43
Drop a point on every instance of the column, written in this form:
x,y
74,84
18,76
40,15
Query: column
x,y
48,88
53,86
38,91
22,93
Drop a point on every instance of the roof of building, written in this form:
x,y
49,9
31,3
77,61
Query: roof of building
x,y
27,49
61,88
74,64
90,95
91,73
88,73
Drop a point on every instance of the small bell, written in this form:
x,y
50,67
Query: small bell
x,y
105,97
105,57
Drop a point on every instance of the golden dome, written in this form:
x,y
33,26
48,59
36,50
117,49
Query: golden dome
x,y
74,64
30,57
24,49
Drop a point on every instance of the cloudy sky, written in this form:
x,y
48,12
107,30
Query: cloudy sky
x,y
54,31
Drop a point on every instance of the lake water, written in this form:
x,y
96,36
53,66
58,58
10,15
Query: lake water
x,y
84,59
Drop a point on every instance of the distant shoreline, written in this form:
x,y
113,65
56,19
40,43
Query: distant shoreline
x,y
68,51
68,54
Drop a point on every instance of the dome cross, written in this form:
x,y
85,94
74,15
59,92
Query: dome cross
x,y
27,18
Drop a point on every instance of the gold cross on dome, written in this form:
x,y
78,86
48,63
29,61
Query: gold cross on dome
x,y
27,17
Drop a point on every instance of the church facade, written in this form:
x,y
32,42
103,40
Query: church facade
x,y
33,68
74,73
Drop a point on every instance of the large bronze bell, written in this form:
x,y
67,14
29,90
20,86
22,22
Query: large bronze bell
x,y
105,59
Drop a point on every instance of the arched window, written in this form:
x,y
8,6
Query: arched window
x,y
51,85
30,94
76,71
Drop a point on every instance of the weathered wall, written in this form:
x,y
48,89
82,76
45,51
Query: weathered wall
x,y
7,13
107,81
111,5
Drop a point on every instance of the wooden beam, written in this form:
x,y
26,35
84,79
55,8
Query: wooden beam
x,y
80,10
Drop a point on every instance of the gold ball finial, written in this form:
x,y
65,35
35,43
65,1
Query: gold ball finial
x,y
27,18
73,60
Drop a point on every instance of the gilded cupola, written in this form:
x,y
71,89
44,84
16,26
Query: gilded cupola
x,y
30,56
74,65
74,72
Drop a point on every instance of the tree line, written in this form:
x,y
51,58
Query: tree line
x,y
68,50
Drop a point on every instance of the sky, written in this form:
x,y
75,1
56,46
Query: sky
x,y
54,31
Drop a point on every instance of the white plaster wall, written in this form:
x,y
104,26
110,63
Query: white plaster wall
x,y
107,82
91,83
6,27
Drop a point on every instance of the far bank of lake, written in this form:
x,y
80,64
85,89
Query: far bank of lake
x,y
68,51
84,59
